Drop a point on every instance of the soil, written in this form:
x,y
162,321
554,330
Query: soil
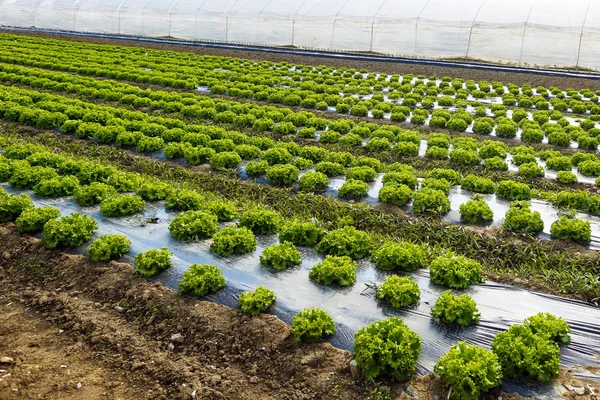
x,y
373,66
51,365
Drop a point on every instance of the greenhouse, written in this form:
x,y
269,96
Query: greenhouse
x,y
526,32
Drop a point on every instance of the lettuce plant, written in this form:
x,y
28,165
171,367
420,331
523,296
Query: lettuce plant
x,y
69,231
525,355
399,256
93,193
363,173
255,168
312,324
153,190
119,206
430,201
261,221
453,309
551,326
256,302
469,370
34,219
233,240
56,187
330,168
396,194
346,241
184,200
225,160
313,182
520,219
399,291
478,184
12,206
280,256
513,190
455,271
387,347
353,188
575,229
201,279
193,225
29,177
151,262
224,210
109,247
301,233
334,270
476,211
282,174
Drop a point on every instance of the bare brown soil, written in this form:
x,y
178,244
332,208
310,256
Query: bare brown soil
x,y
372,66
49,364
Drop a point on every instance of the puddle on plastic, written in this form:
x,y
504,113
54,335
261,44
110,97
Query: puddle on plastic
x,y
500,305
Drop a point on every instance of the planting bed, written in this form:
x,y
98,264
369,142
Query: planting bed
x,y
500,305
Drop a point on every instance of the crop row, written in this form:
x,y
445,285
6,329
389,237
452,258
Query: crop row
x,y
318,79
398,186
198,144
571,272
341,247
245,116
528,127
174,103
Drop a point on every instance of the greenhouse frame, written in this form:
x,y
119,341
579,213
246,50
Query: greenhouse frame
x,y
545,33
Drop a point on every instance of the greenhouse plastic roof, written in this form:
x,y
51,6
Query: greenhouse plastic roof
x,y
524,32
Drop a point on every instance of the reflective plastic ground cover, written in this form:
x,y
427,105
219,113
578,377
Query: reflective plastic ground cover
x,y
351,308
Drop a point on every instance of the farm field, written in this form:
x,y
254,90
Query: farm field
x,y
303,216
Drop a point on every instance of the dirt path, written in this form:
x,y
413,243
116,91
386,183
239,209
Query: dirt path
x,y
128,338
372,66
49,364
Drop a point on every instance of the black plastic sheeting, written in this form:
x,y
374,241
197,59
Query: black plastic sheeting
x,y
500,305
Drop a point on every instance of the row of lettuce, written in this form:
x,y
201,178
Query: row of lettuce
x,y
123,127
378,347
400,142
533,128
226,154
38,49
501,254
30,166
282,161
274,82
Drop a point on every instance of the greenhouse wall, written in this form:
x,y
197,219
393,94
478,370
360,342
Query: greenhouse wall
x,y
525,32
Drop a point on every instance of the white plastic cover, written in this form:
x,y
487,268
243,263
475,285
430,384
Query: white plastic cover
x,y
524,32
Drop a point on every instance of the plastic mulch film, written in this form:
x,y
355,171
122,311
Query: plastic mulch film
x,y
351,308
